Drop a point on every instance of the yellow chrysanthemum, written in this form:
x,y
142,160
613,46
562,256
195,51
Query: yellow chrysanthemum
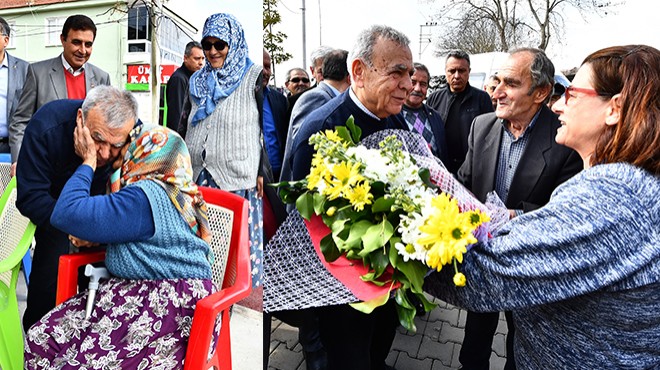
x,y
359,195
333,136
345,175
318,174
459,279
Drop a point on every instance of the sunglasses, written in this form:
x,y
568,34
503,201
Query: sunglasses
x,y
296,80
218,45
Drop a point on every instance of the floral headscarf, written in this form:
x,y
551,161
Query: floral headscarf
x,y
160,154
209,85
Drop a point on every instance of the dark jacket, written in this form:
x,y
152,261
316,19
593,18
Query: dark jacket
x,y
176,93
473,103
544,165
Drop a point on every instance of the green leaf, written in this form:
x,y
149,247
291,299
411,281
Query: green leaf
x,y
428,306
425,175
319,202
371,277
305,205
329,248
358,229
340,233
356,131
379,262
393,254
414,271
405,311
368,306
382,204
376,237
344,134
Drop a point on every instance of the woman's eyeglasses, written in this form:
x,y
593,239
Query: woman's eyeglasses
x,y
586,91
218,45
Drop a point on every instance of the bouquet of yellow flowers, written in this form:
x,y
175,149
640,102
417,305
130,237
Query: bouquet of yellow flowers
x,y
385,214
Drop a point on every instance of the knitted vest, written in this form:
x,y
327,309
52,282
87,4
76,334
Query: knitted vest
x,y
230,136
173,252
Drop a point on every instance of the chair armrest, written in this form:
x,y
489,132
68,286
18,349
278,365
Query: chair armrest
x,y
67,273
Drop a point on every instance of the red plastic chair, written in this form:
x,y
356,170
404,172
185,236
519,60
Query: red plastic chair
x,y
228,214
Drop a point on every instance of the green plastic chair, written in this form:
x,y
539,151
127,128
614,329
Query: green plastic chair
x,y
16,233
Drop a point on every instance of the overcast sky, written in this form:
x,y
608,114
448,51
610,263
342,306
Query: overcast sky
x,y
339,21
634,22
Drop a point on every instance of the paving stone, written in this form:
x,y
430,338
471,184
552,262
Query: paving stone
x,y
407,344
283,358
450,333
462,316
391,358
455,363
285,334
499,344
437,365
449,315
433,350
497,362
405,362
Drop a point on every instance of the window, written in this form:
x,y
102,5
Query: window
x,y
12,26
54,30
138,24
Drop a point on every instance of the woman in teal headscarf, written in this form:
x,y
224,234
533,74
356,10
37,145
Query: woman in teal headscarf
x,y
224,130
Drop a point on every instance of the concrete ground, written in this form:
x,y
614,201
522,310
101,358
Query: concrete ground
x,y
435,345
246,332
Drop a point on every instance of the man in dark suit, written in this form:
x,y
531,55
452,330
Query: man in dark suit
x,y
514,153
48,160
458,103
275,125
380,67
335,81
12,79
423,119
67,76
176,90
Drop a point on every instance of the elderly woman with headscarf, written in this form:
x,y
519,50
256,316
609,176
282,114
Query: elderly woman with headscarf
x,y
224,131
156,228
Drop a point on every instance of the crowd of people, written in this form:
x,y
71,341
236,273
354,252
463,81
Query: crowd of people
x,y
575,269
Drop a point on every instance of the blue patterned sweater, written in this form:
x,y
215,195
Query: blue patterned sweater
x,y
581,275
147,237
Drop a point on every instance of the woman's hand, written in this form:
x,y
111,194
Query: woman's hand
x,y
84,144
260,186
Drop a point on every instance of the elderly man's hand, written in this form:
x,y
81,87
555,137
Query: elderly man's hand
x,y
77,242
260,186
84,145
12,170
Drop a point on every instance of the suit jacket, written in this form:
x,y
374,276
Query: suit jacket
x,y
17,72
309,101
176,92
45,82
279,107
543,165
438,129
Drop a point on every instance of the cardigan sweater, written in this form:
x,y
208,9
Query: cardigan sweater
x,y
147,237
227,143
581,274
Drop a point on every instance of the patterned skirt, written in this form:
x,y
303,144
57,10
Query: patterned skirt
x,y
135,324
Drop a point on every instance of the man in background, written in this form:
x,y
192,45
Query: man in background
x,y
176,90
318,56
458,103
67,76
275,124
423,119
490,87
12,78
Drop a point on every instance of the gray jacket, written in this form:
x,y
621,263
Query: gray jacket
x,y
45,82
17,72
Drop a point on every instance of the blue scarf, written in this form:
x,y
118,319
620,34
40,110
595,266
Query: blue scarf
x,y
209,85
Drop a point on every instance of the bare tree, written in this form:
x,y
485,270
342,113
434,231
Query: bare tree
x,y
512,23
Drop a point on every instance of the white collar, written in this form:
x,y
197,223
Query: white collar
x,y
357,102
68,67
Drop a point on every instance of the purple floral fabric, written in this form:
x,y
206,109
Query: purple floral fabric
x,y
135,324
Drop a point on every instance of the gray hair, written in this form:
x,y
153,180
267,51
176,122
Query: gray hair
x,y
541,69
421,67
320,53
458,54
288,74
364,46
117,106
190,46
